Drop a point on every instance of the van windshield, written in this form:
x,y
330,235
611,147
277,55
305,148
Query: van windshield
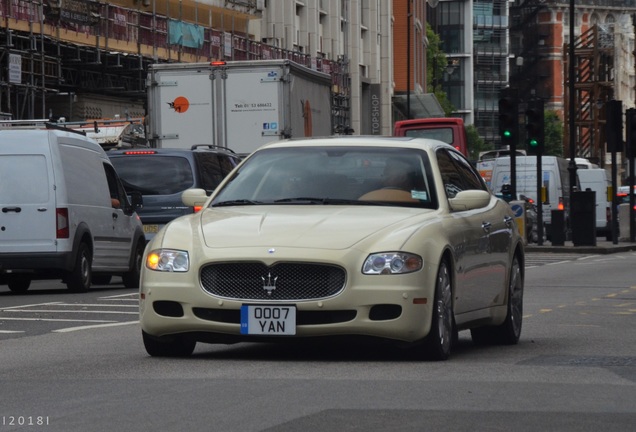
x,y
154,175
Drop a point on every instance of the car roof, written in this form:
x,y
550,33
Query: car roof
x,y
360,141
198,148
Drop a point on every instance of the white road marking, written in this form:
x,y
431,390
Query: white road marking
x,y
70,329
54,319
10,331
72,311
31,305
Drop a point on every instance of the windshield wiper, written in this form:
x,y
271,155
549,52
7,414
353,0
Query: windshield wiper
x,y
324,201
310,200
237,202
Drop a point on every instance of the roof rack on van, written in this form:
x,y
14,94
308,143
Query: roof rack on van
x,y
38,124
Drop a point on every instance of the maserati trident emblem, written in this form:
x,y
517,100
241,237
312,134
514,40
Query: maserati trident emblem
x,y
269,283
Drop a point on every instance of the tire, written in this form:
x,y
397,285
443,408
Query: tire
x,y
18,283
79,279
172,346
101,279
439,341
509,332
131,278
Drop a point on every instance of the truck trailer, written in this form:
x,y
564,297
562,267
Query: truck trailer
x,y
239,105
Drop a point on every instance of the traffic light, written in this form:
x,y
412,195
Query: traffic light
x,y
630,124
614,125
535,127
508,117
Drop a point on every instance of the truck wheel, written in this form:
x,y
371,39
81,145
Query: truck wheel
x,y
131,278
79,279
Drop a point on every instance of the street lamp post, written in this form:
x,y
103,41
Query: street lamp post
x,y
572,110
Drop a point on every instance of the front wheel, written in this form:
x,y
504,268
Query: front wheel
x,y
439,341
169,346
508,332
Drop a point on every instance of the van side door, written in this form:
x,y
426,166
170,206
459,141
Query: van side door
x,y
27,200
115,251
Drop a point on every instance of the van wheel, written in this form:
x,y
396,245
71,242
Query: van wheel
x,y
19,283
131,278
79,280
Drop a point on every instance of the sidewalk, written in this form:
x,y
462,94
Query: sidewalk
x,y
602,247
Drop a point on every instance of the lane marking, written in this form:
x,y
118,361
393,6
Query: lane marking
x,y
31,305
10,331
71,329
96,305
54,320
72,311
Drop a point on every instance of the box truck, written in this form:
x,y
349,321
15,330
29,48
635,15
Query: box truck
x,y
236,104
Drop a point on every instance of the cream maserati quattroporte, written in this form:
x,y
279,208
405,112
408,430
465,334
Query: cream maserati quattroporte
x,y
394,239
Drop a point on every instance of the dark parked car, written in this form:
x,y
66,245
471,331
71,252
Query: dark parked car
x,y
162,174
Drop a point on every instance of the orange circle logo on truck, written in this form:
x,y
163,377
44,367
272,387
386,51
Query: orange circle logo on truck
x,y
180,104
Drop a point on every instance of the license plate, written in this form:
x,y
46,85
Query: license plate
x,y
268,320
151,229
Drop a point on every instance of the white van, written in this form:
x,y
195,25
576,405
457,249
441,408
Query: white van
x,y
597,180
64,212
555,180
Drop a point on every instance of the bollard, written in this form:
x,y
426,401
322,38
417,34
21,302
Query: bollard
x,y
557,234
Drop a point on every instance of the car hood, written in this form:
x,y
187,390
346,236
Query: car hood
x,y
323,227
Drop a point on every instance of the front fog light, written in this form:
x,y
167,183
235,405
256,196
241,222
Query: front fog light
x,y
168,260
391,263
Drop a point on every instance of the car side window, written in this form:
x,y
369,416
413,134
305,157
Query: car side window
x,y
210,170
451,176
472,179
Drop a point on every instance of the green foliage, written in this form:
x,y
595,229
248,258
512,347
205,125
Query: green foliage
x,y
475,143
553,134
436,62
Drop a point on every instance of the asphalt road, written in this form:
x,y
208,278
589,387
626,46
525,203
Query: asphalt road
x,y
573,370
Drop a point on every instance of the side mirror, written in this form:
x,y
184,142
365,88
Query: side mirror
x,y
470,200
194,197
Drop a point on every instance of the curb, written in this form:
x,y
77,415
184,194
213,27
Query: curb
x,y
605,248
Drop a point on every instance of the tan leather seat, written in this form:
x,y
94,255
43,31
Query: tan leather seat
x,y
388,194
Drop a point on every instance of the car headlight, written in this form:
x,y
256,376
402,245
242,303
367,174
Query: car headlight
x,y
168,260
391,263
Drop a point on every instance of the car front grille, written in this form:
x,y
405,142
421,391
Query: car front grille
x,y
282,281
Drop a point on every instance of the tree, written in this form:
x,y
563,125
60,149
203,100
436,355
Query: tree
x,y
476,144
553,134
436,62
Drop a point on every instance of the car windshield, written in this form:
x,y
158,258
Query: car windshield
x,y
154,175
332,175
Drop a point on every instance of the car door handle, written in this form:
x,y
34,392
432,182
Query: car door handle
x,y
508,221
11,209
486,226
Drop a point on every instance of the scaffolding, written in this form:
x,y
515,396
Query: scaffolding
x,y
593,87
53,58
